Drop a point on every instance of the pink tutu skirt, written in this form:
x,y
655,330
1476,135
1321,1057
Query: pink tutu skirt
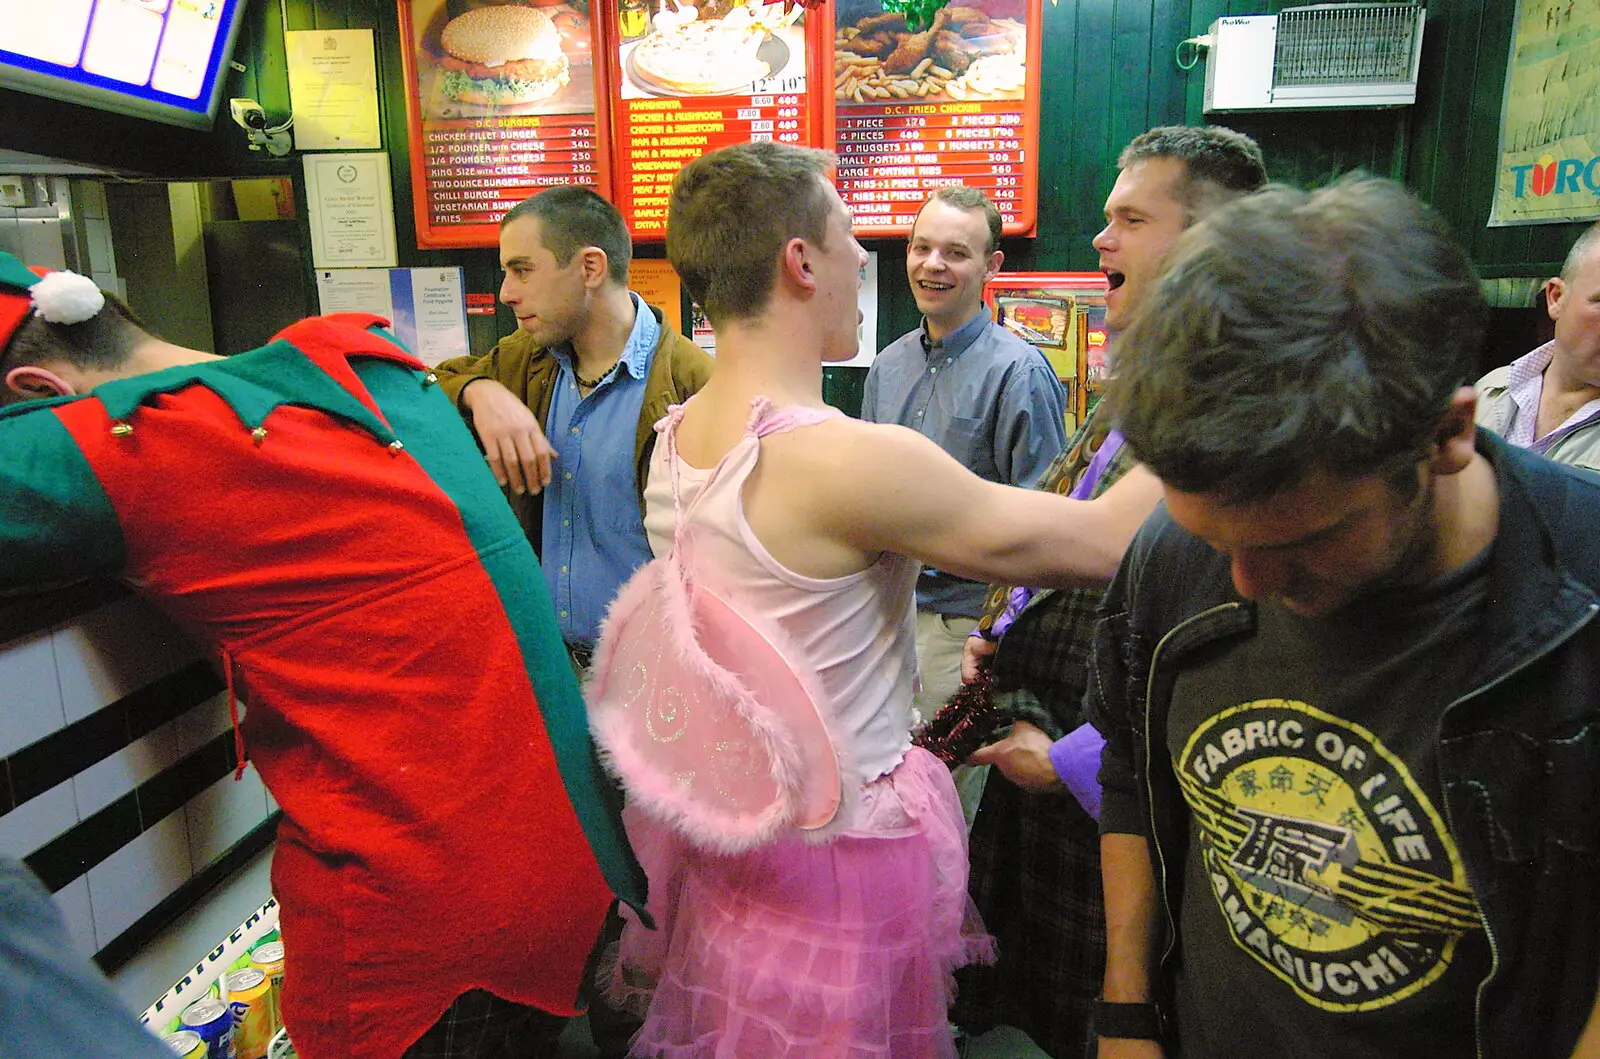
x,y
835,950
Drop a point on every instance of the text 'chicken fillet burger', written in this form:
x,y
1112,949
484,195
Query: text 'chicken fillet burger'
x,y
498,56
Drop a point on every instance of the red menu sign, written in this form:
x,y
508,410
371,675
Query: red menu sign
x,y
502,103
956,104
689,80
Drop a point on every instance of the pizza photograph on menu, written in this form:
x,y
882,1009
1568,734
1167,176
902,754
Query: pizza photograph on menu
x,y
480,58
713,48
967,50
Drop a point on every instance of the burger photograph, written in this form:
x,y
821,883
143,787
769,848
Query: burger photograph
x,y
493,57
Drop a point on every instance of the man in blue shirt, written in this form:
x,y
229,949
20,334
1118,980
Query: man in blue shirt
x,y
982,394
565,407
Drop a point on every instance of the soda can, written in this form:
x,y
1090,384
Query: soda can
x,y
249,995
268,959
187,1044
213,1021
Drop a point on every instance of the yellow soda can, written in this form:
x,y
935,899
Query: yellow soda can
x,y
268,959
249,997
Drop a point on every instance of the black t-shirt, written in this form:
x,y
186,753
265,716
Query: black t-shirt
x,y
1326,910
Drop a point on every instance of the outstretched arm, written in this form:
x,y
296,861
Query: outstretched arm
x,y
901,493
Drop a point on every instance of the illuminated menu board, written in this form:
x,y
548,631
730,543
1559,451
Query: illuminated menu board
x,y
503,103
160,59
690,80
956,104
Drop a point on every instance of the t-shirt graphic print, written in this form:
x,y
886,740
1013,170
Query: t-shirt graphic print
x,y
1330,865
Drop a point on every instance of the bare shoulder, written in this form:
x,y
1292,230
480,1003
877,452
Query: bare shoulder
x,y
853,474
845,444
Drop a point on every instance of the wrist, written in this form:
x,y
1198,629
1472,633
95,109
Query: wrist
x,y
1141,1021
1076,760
462,395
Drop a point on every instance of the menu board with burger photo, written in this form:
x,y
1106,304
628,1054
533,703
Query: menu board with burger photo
x,y
503,101
931,95
690,77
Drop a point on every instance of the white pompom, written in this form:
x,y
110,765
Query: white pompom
x,y
66,298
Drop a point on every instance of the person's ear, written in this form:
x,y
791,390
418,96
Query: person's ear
x,y
31,382
1555,292
596,266
1455,438
795,264
992,265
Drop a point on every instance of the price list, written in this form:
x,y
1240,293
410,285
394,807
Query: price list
x,y
891,158
660,136
476,169
502,101
951,104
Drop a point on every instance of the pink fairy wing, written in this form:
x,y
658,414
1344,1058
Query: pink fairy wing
x,y
764,670
704,720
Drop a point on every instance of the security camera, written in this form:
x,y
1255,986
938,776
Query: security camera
x,y
247,114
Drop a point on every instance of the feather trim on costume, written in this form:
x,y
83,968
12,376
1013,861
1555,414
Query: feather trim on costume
x,y
745,735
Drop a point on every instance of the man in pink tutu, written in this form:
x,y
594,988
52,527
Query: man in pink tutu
x,y
824,919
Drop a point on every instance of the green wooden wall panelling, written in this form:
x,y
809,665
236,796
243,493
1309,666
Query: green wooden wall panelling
x,y
1109,73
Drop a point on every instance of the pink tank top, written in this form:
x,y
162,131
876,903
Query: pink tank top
x,y
856,634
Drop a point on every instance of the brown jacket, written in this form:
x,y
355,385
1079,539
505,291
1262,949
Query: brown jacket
x,y
678,368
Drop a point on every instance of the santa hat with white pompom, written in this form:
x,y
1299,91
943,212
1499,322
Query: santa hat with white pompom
x,y
58,297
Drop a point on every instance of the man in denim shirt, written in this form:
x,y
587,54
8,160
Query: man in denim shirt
x,y
981,393
591,367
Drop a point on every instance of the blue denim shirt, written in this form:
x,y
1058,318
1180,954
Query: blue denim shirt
x,y
984,396
593,537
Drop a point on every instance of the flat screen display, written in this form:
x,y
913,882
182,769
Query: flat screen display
x,y
159,59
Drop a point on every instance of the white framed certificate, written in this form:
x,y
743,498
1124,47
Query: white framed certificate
x,y
334,86
426,306
352,210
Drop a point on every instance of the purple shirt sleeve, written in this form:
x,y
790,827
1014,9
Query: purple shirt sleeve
x,y
1076,757
1019,599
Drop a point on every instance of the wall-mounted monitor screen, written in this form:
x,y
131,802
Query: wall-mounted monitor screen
x,y
159,59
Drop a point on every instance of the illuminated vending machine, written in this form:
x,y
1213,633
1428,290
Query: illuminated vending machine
x,y
1064,314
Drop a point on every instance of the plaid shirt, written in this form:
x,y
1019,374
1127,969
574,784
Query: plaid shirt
x,y
1036,857
1040,667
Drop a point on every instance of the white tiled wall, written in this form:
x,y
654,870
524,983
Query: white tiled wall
x,y
101,784
57,677
30,694
114,652
200,725
73,900
222,814
138,876
38,820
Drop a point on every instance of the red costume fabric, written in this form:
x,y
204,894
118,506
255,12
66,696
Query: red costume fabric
x,y
316,510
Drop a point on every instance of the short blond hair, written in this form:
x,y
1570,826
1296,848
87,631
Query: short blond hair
x,y
730,215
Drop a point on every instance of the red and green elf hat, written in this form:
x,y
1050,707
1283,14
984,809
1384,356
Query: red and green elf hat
x,y
58,297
